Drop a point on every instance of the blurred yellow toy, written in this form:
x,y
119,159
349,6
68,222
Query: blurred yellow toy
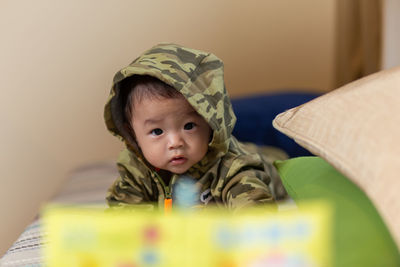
x,y
90,237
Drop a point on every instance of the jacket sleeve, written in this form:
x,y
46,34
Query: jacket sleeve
x,y
247,188
128,191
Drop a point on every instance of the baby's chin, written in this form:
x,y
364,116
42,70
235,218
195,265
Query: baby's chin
x,y
176,170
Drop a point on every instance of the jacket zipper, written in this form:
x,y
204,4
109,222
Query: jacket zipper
x,y
168,194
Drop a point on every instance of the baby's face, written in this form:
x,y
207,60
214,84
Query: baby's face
x,y
170,133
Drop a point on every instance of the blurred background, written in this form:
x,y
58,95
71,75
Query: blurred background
x,y
58,59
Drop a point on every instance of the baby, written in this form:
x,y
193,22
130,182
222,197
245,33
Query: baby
x,y
171,109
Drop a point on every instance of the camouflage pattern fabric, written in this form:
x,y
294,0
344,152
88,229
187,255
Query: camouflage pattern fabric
x,y
231,175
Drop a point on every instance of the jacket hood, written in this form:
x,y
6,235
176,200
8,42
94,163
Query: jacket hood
x,y
197,75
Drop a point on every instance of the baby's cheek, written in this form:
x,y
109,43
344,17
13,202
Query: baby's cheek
x,y
154,156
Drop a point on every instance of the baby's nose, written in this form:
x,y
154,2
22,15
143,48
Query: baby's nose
x,y
175,141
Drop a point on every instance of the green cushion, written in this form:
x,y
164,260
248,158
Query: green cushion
x,y
360,237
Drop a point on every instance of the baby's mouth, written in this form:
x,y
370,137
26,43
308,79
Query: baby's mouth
x,y
178,160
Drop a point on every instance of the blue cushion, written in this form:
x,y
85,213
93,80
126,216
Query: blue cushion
x,y
255,114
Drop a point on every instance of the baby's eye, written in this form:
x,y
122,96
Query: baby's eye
x,y
157,131
189,126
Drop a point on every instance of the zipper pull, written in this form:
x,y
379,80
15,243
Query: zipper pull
x,y
168,201
167,205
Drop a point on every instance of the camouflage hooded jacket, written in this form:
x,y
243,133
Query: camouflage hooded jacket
x,y
231,174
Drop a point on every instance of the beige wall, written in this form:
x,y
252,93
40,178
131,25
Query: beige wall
x,y
57,59
391,34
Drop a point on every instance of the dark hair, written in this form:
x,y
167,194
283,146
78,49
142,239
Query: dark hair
x,y
137,87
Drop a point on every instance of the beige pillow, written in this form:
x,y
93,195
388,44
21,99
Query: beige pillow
x,y
356,128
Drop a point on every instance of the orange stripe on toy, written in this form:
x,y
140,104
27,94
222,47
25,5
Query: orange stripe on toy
x,y
167,205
